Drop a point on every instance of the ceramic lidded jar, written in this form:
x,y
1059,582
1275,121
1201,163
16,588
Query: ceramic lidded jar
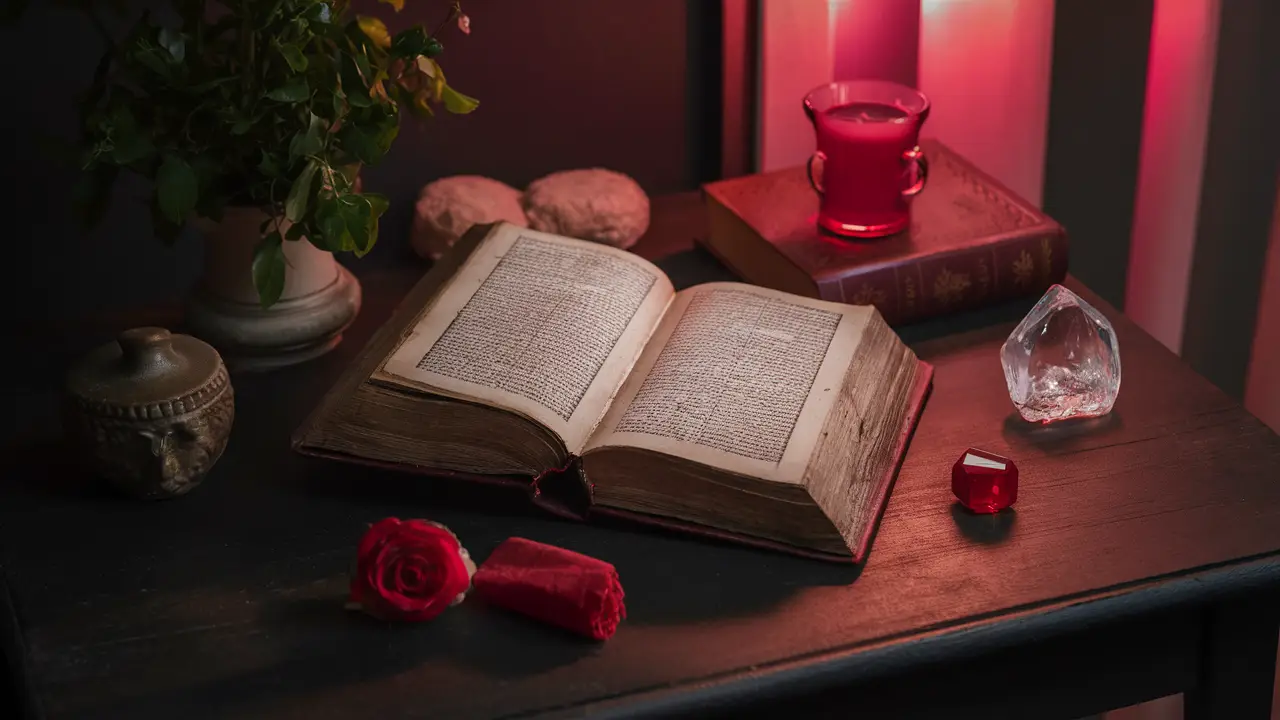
x,y
151,412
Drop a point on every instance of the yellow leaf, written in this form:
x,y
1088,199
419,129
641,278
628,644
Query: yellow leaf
x,y
422,104
397,4
375,30
456,102
427,66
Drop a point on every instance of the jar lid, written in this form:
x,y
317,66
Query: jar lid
x,y
148,373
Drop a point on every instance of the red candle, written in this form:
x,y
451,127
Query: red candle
x,y
870,165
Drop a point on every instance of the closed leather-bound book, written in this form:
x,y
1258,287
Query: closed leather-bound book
x,y
972,242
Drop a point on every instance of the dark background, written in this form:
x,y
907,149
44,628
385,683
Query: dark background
x,y
631,86
636,87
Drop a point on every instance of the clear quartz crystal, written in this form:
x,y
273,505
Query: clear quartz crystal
x,y
1062,361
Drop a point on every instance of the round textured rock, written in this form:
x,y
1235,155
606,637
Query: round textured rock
x,y
596,204
448,207
150,412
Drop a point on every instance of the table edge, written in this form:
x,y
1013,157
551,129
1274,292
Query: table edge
x,y
812,673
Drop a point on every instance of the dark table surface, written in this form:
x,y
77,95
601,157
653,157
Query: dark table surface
x,y
228,602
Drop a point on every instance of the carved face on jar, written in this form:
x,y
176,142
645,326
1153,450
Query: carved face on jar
x,y
152,413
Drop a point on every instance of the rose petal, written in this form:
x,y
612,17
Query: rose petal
x,y
409,570
375,535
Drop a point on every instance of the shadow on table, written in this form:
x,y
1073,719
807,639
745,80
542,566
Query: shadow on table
x,y
46,466
988,528
315,646
1063,435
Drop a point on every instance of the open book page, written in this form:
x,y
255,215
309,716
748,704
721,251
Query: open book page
x,y
538,324
737,377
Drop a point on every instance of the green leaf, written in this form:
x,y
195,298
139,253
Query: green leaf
x,y
172,41
131,145
358,143
366,70
296,91
268,269
411,43
353,84
151,58
242,126
378,204
333,234
295,232
311,141
359,217
292,54
295,205
176,188
121,127
386,136
360,98
269,166
456,102
319,12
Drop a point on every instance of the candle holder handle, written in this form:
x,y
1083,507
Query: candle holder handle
x,y
813,180
914,156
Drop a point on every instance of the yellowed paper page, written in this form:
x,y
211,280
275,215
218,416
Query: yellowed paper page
x,y
737,377
540,325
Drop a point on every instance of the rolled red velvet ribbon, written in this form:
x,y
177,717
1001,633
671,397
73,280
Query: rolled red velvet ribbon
x,y
557,586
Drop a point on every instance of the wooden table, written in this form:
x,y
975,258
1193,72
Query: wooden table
x,y
1143,559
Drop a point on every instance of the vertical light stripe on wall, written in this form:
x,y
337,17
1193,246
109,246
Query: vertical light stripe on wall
x,y
985,65
804,43
875,39
1175,127
795,57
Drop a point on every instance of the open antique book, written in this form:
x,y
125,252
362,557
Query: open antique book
x,y
577,370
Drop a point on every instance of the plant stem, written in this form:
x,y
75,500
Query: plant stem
x,y
454,11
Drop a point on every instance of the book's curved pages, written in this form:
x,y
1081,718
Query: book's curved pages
x,y
576,370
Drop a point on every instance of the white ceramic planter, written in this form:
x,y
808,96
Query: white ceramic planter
x,y
320,298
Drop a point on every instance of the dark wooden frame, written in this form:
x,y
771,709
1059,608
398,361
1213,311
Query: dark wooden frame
x,y
1237,195
1096,103
740,86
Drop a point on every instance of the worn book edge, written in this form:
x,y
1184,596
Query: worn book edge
x,y
879,498
391,333
418,301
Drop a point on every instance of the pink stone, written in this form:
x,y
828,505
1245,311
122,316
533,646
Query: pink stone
x,y
984,482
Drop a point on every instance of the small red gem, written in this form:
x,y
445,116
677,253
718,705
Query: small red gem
x,y
984,482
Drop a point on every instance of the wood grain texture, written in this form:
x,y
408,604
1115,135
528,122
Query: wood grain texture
x,y
228,602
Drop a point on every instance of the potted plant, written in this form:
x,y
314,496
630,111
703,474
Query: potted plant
x,y
253,117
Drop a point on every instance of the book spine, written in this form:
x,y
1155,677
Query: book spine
x,y
966,279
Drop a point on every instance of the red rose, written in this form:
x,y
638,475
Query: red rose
x,y
409,570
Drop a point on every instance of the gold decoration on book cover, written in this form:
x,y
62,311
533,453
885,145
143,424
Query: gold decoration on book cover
x,y
867,295
1023,270
949,287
